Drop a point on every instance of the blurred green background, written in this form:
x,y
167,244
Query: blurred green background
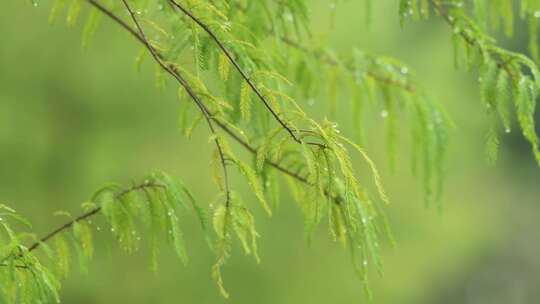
x,y
72,120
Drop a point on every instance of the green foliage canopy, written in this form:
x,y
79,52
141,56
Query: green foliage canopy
x,y
268,64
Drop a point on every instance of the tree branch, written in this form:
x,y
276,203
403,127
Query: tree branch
x,y
175,73
238,68
91,213
332,62
471,41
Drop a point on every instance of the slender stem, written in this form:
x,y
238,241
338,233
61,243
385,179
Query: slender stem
x,y
330,61
64,227
471,41
223,126
190,91
90,213
175,73
237,67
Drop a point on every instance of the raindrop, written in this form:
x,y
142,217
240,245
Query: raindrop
x,y
289,17
507,130
384,114
537,14
404,70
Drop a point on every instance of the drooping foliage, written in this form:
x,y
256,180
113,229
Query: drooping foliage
x,y
509,81
249,70
153,205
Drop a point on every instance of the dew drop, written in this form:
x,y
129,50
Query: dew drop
x,y
384,114
404,70
507,130
289,17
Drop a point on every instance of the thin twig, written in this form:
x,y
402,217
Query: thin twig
x,y
437,6
237,67
91,213
175,73
331,61
184,83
